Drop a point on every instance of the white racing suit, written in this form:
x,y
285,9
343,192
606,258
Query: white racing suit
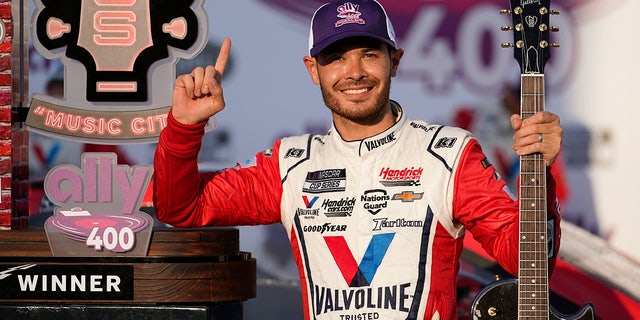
x,y
376,226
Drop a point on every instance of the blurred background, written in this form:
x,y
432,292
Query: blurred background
x,y
453,72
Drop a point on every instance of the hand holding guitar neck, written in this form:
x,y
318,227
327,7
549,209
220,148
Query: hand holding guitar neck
x,y
496,301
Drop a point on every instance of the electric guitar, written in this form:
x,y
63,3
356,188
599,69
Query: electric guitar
x,y
497,300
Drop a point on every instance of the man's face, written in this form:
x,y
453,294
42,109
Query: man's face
x,y
354,75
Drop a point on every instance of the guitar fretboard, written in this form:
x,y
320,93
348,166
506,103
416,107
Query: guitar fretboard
x,y
533,299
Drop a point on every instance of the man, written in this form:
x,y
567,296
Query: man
x,y
375,210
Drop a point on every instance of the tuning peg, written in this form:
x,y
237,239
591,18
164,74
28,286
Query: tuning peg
x,y
506,28
507,45
505,11
555,12
545,44
544,27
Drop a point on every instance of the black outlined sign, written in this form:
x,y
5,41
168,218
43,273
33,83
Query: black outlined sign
x,y
119,58
66,282
117,41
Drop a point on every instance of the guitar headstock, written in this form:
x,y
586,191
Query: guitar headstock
x,y
530,26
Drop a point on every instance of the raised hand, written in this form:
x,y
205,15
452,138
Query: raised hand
x,y
197,96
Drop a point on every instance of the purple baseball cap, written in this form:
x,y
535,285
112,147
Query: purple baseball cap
x,y
341,19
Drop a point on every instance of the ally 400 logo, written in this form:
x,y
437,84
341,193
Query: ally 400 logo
x,y
97,209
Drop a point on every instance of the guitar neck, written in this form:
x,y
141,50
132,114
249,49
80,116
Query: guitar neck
x,y
533,290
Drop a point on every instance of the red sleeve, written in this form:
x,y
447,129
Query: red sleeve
x,y
483,204
185,197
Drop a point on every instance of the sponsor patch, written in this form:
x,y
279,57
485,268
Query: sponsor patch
x,y
407,196
383,223
374,144
294,153
338,208
308,212
325,228
375,200
359,275
406,177
485,163
446,142
330,180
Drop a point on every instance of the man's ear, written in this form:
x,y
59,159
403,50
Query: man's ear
x,y
396,56
312,67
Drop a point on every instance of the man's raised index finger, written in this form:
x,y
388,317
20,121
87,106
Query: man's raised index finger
x,y
223,56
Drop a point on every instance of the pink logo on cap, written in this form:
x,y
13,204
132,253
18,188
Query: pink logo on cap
x,y
349,13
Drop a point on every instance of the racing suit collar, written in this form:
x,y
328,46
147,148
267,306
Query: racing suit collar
x,y
376,143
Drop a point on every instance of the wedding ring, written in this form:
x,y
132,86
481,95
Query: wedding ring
x,y
540,137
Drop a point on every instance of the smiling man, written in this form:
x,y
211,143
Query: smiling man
x,y
376,209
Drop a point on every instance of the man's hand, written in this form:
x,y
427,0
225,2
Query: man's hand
x,y
541,133
198,96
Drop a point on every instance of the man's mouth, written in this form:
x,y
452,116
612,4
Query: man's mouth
x,y
356,91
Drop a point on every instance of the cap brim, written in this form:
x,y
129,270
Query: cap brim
x,y
324,43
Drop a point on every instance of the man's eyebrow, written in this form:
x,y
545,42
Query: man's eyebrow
x,y
334,50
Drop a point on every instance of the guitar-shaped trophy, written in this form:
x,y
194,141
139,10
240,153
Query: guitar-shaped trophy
x,y
531,288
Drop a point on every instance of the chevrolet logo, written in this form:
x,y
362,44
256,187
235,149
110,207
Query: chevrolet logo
x,y
407,196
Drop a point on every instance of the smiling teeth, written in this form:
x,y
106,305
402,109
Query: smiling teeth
x,y
359,91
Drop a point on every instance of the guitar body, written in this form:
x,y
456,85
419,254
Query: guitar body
x,y
496,302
